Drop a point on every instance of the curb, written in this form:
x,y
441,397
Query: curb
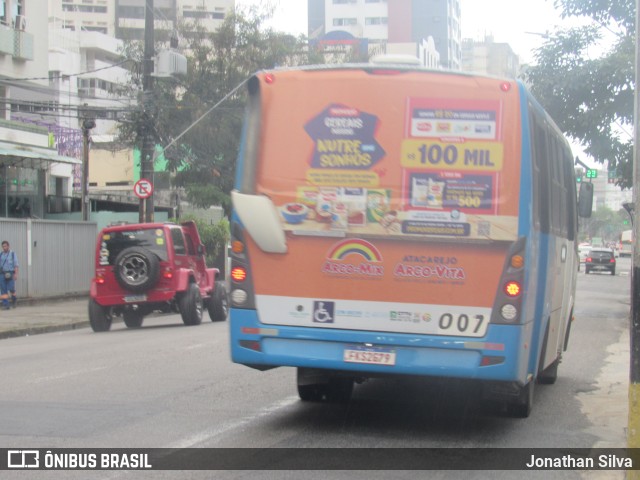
x,y
31,301
25,332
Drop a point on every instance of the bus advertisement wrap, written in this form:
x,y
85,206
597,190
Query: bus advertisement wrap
x,y
384,230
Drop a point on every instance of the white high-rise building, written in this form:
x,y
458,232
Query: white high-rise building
x,y
125,18
31,165
385,22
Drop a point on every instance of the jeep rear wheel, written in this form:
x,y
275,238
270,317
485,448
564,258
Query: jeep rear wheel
x,y
137,269
190,304
99,316
218,304
133,318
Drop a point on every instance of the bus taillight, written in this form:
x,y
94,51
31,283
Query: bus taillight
x,y
512,289
237,247
517,261
238,274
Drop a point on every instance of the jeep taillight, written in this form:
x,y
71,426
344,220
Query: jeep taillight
x,y
100,280
168,274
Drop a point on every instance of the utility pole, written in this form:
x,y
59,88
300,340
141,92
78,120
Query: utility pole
x,y
146,211
633,440
87,125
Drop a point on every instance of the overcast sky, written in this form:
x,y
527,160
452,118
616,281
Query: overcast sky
x,y
520,23
507,20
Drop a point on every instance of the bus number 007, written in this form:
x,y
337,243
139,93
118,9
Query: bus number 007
x,y
463,322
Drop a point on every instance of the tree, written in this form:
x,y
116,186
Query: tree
x,y
605,224
208,103
592,99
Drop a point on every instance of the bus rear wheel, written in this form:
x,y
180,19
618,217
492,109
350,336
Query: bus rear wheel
x,y
521,407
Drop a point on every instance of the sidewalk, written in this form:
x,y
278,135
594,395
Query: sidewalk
x,y
33,316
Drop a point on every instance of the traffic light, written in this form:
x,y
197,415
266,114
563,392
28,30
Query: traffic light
x,y
592,173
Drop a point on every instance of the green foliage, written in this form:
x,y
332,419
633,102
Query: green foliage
x,y
200,108
214,237
604,223
592,99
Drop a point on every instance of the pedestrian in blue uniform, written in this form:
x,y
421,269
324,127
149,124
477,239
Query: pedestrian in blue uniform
x,y
9,269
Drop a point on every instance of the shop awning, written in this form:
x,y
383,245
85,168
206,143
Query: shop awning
x,y
22,156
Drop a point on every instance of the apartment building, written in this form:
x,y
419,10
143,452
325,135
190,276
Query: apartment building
x,y
382,23
489,58
30,164
125,18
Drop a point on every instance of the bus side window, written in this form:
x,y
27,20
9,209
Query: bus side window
x,y
541,182
571,195
559,194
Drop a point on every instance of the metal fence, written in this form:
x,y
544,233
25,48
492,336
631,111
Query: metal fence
x,y
56,258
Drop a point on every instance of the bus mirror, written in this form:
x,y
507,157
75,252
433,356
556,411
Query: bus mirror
x,y
585,200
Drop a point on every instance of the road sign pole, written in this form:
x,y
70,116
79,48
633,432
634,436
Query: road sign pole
x,y
148,144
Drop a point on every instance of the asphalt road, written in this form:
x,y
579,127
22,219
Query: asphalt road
x,y
166,385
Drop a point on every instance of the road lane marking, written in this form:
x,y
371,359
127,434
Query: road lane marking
x,y
208,435
51,378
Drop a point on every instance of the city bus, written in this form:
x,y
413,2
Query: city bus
x,y
390,220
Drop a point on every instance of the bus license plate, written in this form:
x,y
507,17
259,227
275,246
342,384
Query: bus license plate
x,y
135,298
370,355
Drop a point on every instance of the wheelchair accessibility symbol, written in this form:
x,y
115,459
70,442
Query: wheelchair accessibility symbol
x,y
323,312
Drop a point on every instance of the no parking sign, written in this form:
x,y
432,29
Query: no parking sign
x,y
143,188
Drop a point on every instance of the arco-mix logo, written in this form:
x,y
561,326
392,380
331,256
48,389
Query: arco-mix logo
x,y
353,257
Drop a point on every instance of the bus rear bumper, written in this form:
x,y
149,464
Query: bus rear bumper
x,y
494,357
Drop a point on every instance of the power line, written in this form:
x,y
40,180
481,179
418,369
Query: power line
x,y
65,75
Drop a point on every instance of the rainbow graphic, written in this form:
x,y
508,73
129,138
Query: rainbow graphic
x,y
356,246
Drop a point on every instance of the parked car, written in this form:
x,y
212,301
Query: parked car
x,y
153,267
600,259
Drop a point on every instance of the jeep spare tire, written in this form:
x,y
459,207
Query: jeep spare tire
x,y
137,269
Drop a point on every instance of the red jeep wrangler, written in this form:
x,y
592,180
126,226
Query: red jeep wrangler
x,y
153,267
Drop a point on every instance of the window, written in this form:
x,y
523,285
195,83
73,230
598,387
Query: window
x,y
339,22
131,12
17,8
570,190
178,241
150,239
190,248
375,21
540,173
